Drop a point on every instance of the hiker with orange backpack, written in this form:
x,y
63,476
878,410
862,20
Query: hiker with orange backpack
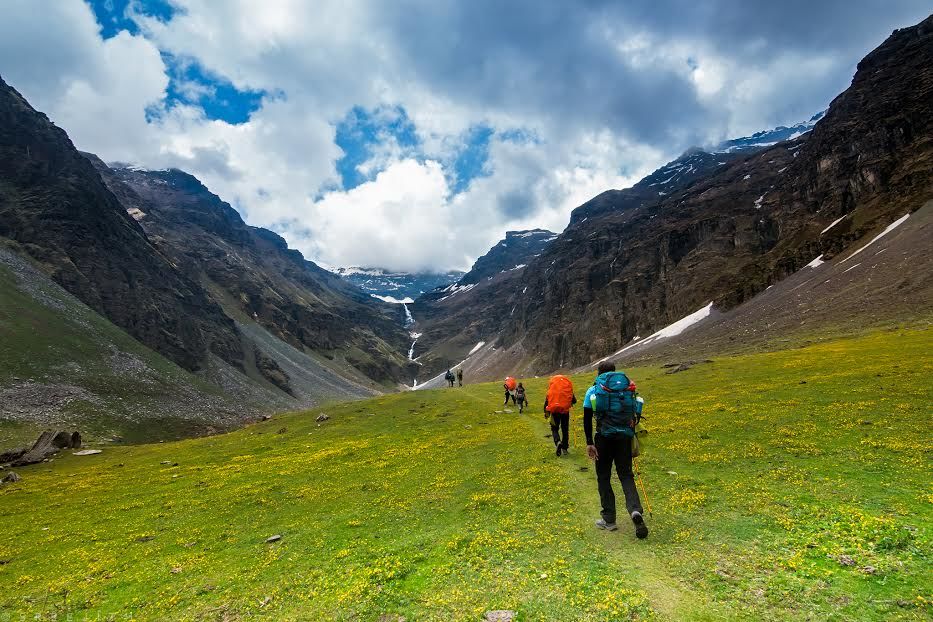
x,y
509,386
613,402
557,404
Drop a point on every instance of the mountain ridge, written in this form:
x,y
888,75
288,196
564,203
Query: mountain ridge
x,y
752,223
257,275
633,261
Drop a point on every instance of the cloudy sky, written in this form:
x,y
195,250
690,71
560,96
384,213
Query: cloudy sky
x,y
412,134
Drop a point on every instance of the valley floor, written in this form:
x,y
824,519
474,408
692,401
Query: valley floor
x,y
788,485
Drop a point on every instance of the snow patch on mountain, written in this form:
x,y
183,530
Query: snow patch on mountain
x,y
816,263
767,138
393,300
833,224
671,330
456,289
894,225
476,348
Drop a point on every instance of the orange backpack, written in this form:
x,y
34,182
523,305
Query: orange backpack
x,y
510,383
559,395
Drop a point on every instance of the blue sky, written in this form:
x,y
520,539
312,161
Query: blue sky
x,y
411,135
113,17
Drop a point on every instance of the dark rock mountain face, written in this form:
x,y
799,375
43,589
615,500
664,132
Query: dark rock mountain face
x,y
694,165
514,252
655,189
630,263
256,277
55,208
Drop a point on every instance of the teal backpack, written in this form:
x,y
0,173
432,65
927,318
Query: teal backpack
x,y
614,404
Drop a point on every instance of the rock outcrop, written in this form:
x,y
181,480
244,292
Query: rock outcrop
x,y
47,445
10,478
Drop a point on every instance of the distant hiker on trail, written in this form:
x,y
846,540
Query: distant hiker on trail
x,y
520,396
560,398
614,403
460,377
509,386
449,377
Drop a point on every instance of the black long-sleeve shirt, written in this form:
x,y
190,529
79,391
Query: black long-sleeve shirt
x,y
588,424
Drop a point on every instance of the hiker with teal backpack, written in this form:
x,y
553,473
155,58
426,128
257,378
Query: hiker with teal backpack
x,y
613,402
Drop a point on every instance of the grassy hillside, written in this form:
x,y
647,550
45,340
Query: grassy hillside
x,y
788,485
63,365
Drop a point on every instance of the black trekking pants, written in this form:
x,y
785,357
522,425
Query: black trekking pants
x,y
508,394
615,449
560,424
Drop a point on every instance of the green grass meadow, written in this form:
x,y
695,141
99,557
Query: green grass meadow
x,y
793,485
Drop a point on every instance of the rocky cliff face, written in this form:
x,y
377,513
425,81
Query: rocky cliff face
x,y
513,253
253,274
55,208
630,263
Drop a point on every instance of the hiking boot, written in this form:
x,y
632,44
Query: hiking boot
x,y
557,451
602,524
641,529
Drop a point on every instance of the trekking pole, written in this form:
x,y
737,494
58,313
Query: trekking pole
x,y
643,489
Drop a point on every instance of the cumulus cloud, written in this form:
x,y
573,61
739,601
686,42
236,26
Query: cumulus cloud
x,y
98,90
572,99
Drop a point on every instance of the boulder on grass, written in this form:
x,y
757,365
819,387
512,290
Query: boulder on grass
x,y
47,445
12,455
